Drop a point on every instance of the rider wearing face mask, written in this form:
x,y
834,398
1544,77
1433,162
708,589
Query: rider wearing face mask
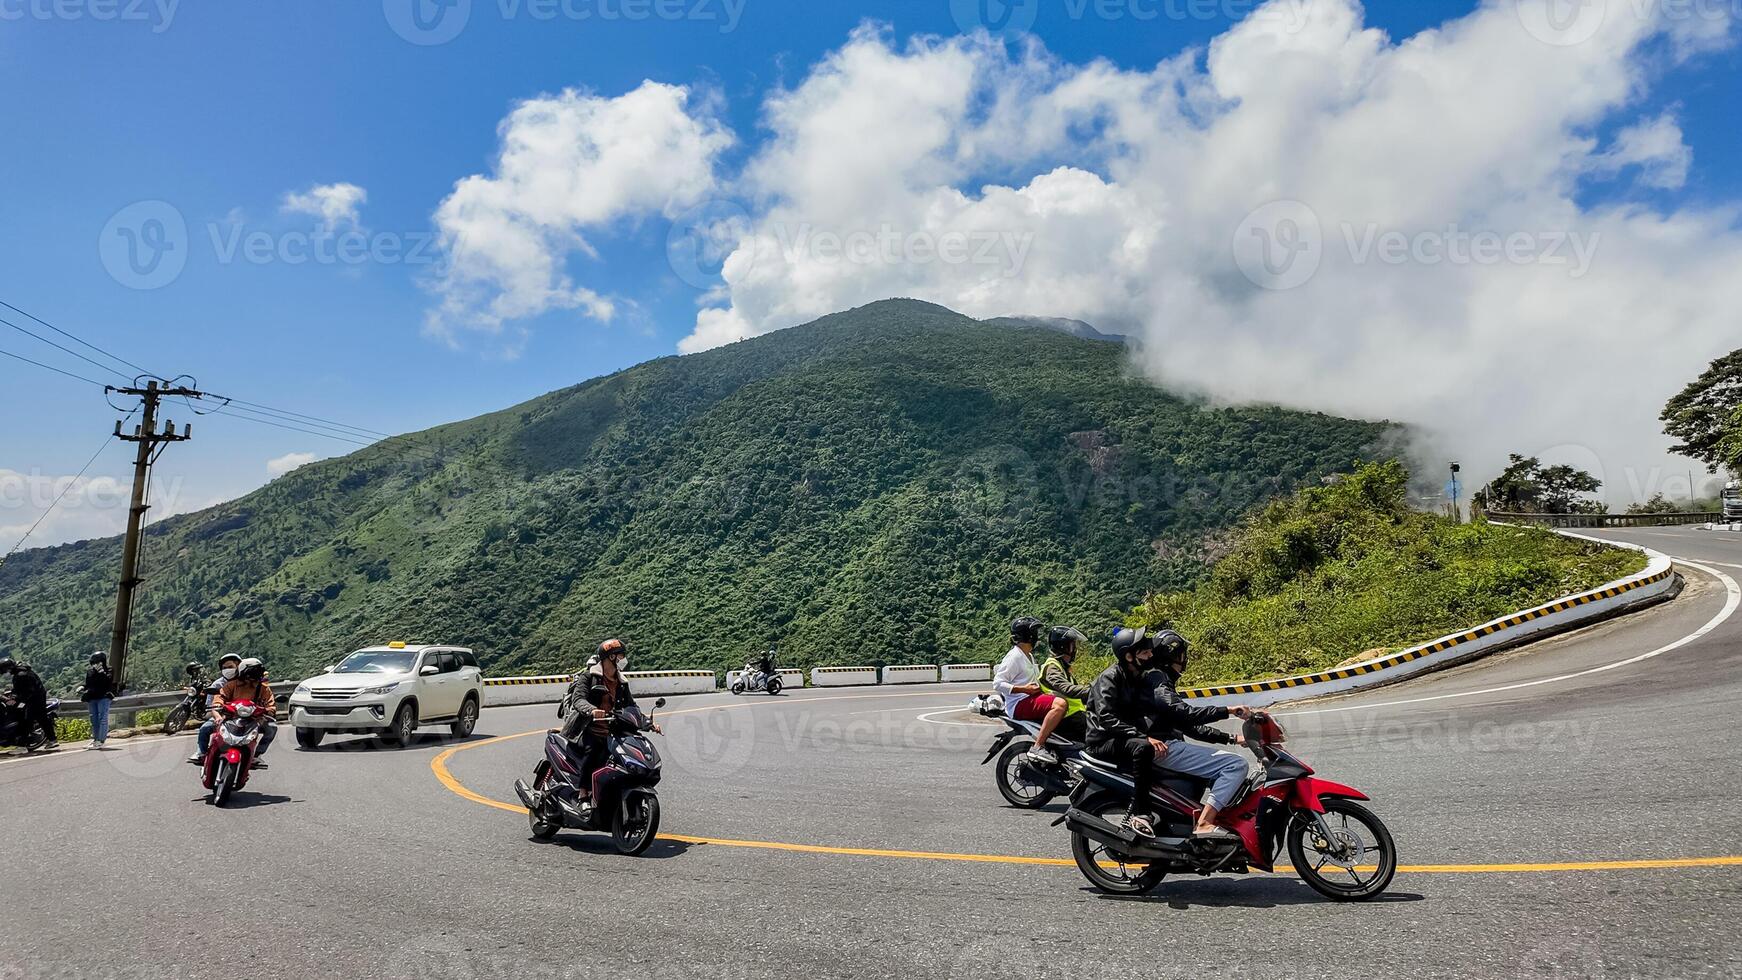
x,y
1138,719
605,691
228,664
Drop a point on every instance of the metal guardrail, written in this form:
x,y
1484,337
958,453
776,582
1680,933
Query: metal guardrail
x,y
1607,520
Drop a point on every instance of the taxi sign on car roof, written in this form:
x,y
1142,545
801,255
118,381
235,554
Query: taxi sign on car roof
x,y
396,645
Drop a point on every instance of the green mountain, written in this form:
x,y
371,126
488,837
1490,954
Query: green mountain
x,y
889,484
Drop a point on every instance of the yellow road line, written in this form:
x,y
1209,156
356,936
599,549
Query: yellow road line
x,y
439,765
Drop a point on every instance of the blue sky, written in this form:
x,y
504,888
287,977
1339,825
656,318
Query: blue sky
x,y
222,110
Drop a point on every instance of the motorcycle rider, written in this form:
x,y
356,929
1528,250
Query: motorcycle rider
x,y
1137,718
249,684
228,665
32,696
604,689
1057,679
1016,679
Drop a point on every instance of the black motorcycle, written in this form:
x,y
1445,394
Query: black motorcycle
x,y
16,731
1028,782
627,806
193,702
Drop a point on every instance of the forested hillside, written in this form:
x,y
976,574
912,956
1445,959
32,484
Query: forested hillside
x,y
887,484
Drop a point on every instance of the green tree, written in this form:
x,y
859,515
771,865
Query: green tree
x,y
1706,416
1528,487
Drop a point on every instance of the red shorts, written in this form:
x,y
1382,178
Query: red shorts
x,y
1035,708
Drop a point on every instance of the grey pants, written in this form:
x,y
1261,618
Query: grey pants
x,y
1226,769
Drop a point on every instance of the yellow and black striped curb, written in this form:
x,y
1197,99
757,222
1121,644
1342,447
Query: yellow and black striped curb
x,y
1437,646
841,670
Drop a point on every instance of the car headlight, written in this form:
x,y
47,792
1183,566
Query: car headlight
x,y
383,689
301,691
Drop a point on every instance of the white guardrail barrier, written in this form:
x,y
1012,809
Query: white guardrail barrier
x,y
788,678
842,676
1657,582
953,673
915,674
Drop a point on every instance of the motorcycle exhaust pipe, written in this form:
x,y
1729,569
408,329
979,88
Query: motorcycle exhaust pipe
x,y
524,792
1096,829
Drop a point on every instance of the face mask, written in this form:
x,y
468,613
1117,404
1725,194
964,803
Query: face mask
x,y
229,673
622,663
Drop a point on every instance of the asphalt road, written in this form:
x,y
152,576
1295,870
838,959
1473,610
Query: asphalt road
x,y
356,862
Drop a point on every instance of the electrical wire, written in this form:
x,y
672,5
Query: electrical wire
x,y
75,377
85,343
65,350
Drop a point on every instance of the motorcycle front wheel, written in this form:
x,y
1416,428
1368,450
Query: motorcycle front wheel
x,y
1017,780
176,720
1355,863
222,782
737,687
636,823
1106,868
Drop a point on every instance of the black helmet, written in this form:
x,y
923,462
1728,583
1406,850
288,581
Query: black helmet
x,y
1026,629
1171,648
7,665
98,657
1128,640
194,670
1064,640
611,646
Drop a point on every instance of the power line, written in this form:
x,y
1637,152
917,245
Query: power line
x,y
75,377
235,414
308,418
86,343
65,350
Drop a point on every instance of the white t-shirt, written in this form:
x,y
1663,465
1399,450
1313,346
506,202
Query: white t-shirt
x,y
1017,669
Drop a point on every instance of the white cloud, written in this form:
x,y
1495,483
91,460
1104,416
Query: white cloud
x,y
276,468
569,165
333,204
92,507
1515,319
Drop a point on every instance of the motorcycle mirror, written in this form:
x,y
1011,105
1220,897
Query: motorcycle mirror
x,y
330,668
660,703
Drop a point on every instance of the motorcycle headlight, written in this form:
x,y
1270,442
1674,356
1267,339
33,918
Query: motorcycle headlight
x,y
383,689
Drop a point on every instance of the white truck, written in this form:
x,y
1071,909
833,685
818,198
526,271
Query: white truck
x,y
1733,501
390,691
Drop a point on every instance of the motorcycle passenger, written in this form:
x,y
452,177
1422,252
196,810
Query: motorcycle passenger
x,y
1016,679
604,688
1138,719
228,665
1057,679
249,684
32,696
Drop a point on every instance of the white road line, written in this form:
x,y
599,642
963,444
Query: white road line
x,y
1733,600
964,724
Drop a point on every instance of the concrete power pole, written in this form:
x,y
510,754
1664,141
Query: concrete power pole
x,y
149,439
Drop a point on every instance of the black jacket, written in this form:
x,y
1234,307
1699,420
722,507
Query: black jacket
x,y
1124,707
587,692
99,684
27,687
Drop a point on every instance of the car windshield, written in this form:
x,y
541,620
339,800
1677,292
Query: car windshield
x,y
376,662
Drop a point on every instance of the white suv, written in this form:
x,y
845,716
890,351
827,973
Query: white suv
x,y
390,691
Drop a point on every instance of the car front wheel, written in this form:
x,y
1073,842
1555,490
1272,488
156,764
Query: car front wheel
x,y
404,725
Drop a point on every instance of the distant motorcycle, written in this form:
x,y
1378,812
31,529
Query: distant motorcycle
x,y
627,807
234,746
16,731
754,679
193,701
1028,782
1336,845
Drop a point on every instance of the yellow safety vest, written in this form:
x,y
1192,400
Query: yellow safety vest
x,y
1072,705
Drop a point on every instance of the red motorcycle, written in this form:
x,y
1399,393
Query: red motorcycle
x,y
234,745
1335,844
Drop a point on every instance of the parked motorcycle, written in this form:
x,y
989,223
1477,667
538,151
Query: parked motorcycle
x,y
234,746
193,702
754,679
1028,782
627,806
16,731
1336,845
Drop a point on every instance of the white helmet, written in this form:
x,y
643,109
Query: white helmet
x,y
252,669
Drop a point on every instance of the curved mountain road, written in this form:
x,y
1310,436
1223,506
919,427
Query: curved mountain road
x,y
852,833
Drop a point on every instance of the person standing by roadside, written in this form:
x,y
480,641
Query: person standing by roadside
x,y
98,695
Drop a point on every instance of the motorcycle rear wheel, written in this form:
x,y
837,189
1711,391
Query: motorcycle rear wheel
x,y
1101,865
636,823
1347,820
543,828
1017,788
774,685
176,720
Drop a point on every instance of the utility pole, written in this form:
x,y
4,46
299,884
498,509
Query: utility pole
x,y
149,439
